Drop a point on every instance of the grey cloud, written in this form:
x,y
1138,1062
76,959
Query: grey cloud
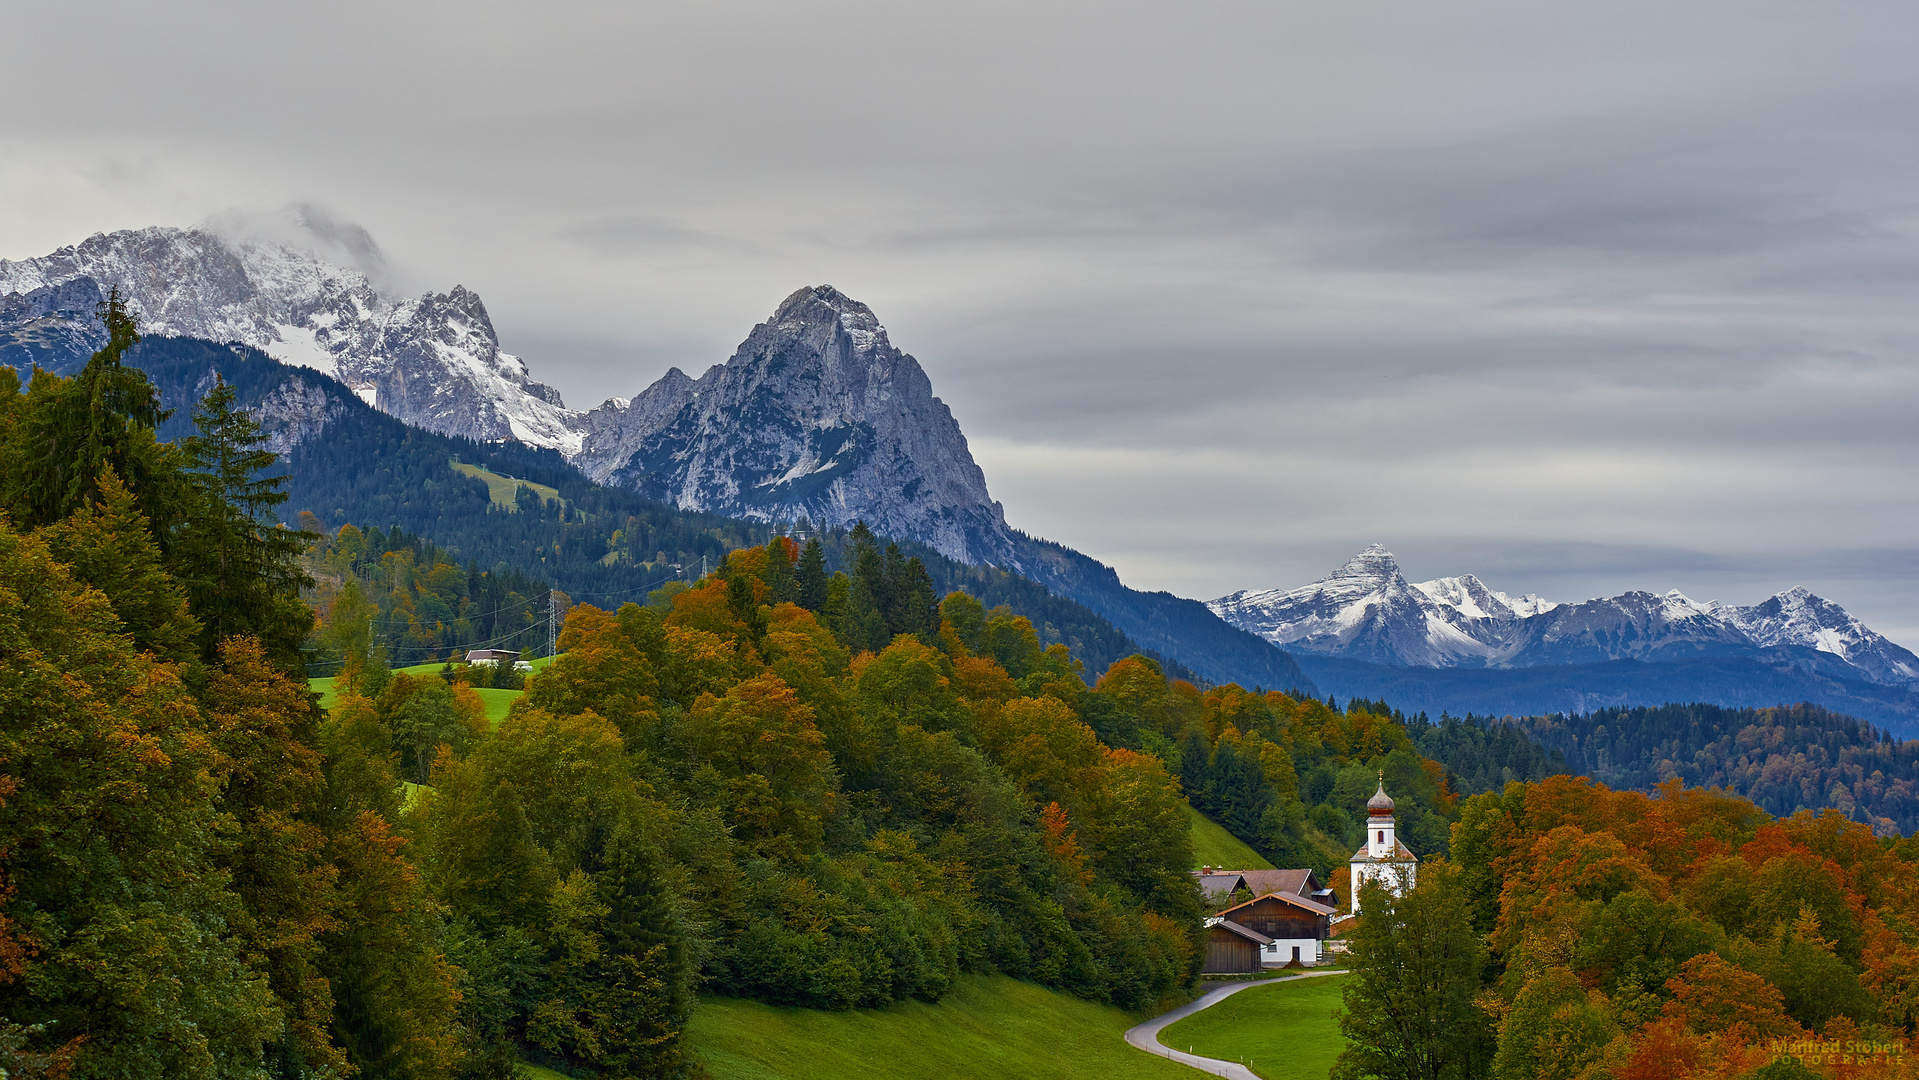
x,y
630,234
1578,298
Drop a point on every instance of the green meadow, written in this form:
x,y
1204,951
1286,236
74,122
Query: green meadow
x,y
1282,1030
987,1028
1214,846
497,701
503,490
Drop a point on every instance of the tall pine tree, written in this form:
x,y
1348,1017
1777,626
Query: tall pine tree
x,y
242,569
811,576
71,430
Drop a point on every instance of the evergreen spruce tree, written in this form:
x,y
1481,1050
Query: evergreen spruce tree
x,y
648,975
1195,768
918,602
862,622
72,430
243,571
810,577
891,596
781,585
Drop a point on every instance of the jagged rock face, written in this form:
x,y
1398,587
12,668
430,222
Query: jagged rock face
x,y
294,413
51,326
816,416
1797,617
1630,626
433,361
1367,611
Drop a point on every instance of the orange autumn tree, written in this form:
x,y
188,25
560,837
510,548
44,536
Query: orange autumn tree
x,y
1684,933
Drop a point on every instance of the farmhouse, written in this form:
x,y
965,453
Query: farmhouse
x,y
1283,924
492,656
1292,926
1217,885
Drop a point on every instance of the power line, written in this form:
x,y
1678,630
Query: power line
x,y
551,600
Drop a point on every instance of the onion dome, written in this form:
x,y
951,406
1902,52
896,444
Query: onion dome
x,y
1381,804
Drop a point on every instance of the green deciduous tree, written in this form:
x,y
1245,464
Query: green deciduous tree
x,y
111,841
1409,1011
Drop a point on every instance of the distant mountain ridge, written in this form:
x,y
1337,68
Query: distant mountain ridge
x,y
817,417
1367,611
301,288
1455,645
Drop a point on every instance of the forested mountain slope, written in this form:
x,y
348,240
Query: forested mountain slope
x,y
1729,681
348,463
1785,759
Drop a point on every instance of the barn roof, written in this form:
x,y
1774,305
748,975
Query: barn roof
x,y
1261,882
1246,932
1218,883
1297,901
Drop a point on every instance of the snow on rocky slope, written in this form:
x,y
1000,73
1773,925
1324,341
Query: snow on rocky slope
x,y
1798,617
1366,610
817,416
305,290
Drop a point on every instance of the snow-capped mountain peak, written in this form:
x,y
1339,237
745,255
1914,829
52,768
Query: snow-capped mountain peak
x,y
310,290
1470,597
1366,611
1798,617
1373,564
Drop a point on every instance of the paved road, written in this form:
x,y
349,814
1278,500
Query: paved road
x,y
1146,1036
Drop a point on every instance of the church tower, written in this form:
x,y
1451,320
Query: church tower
x,y
1383,858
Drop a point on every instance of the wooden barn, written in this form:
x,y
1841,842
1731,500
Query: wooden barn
x,y
1232,949
1292,925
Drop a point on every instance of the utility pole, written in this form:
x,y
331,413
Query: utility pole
x,y
552,621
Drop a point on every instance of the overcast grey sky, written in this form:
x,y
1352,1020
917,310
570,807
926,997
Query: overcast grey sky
x,y
1578,297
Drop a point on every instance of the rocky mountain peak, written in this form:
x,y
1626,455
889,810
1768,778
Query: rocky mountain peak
x,y
306,289
815,416
1373,564
1364,611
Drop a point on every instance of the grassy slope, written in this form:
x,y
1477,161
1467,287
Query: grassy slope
x,y
985,1029
1214,846
497,701
500,489
1285,1029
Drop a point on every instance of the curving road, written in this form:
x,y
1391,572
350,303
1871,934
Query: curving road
x,y
1146,1036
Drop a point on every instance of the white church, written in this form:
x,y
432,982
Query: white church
x,y
1384,859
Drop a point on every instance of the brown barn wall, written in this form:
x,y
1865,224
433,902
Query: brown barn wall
x,y
1227,952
